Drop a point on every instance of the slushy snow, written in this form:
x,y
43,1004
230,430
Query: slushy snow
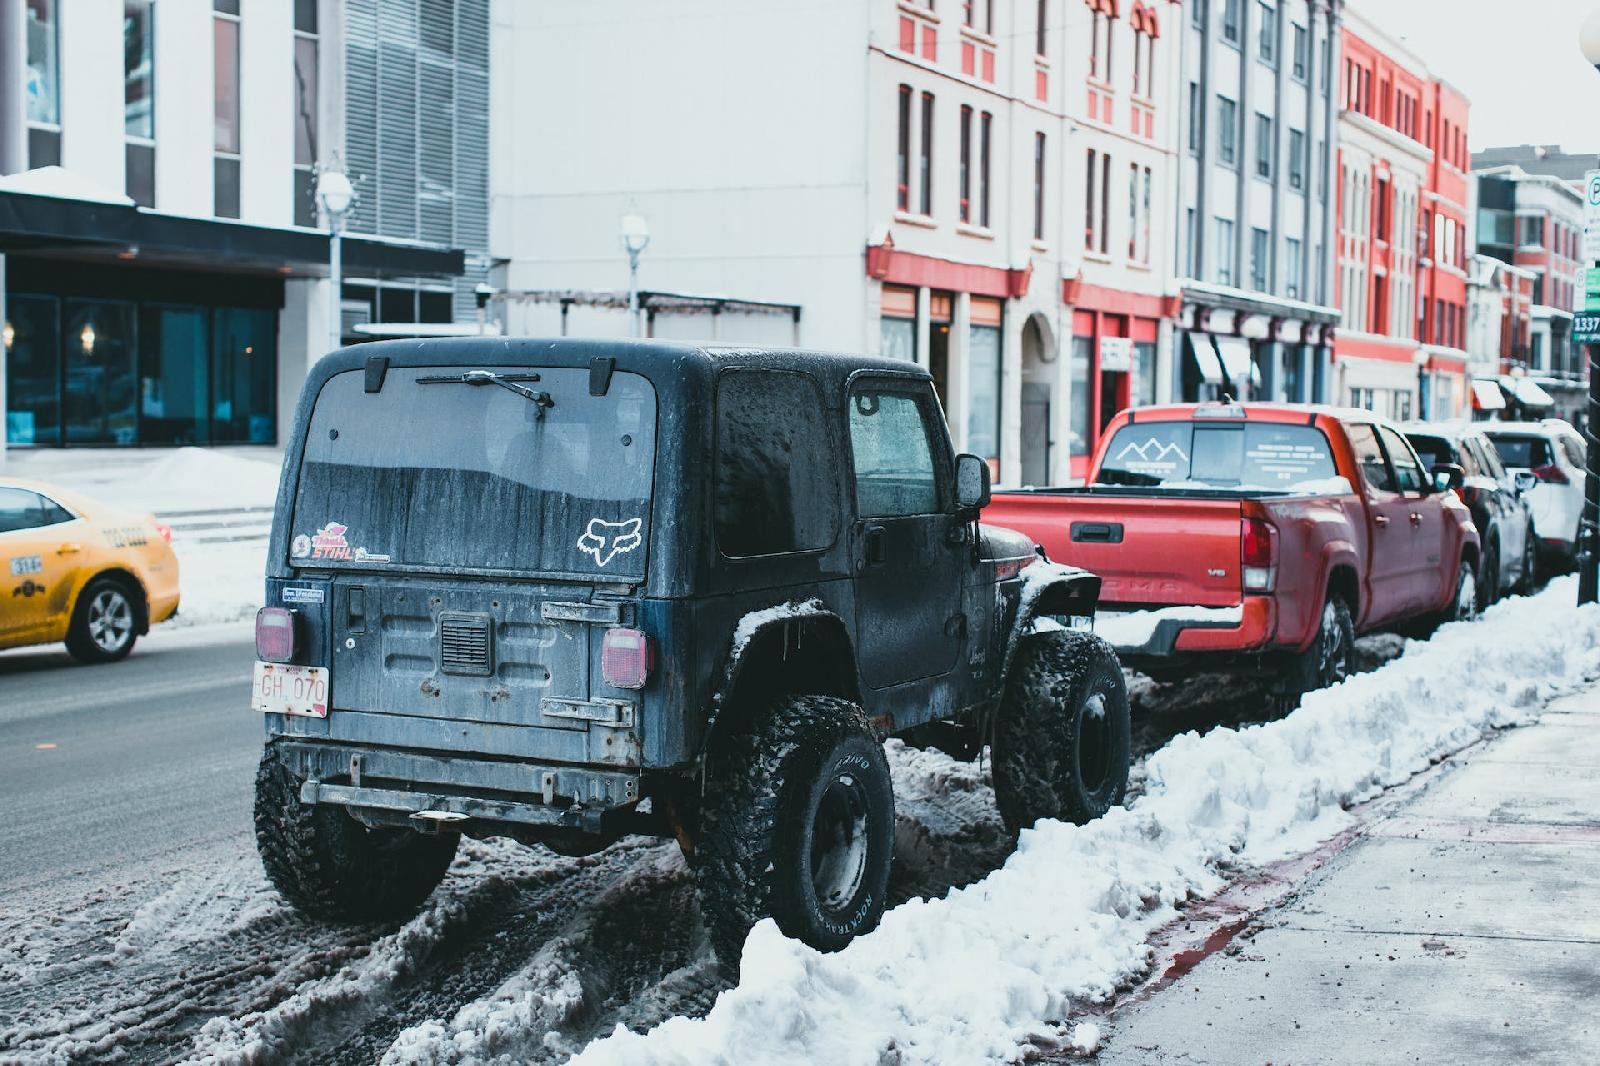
x,y
984,972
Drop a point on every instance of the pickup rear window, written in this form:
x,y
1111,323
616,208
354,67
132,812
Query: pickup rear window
x,y
1233,455
498,468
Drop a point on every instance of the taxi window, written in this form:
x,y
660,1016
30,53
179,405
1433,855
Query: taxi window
x,y
25,509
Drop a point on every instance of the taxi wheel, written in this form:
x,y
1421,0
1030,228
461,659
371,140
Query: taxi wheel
x,y
105,623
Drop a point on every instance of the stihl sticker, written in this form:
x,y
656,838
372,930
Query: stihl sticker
x,y
605,540
330,543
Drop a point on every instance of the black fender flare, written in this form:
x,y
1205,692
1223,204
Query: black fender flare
x,y
749,631
1049,588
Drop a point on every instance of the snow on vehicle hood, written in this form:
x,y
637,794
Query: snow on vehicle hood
x,y
982,973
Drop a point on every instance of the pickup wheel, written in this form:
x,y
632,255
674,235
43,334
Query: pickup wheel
x,y
1489,580
1326,662
798,825
1061,744
330,866
1528,578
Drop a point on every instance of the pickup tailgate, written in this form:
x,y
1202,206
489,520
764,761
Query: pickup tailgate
x,y
1148,549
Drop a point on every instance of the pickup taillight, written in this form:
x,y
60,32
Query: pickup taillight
x,y
1551,474
275,634
1258,554
626,658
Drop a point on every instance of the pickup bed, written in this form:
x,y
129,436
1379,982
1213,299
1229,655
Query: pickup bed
x,y
1256,538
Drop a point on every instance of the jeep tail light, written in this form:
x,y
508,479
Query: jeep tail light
x,y
1258,554
1550,474
626,658
275,634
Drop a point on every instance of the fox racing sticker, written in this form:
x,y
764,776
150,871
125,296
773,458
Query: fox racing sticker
x,y
603,539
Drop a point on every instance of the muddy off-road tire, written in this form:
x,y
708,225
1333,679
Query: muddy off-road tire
x,y
1463,606
1326,662
798,825
330,866
1062,736
105,621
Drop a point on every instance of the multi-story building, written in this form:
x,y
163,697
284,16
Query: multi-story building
x,y
975,186
1535,221
1402,247
1259,127
1499,320
164,279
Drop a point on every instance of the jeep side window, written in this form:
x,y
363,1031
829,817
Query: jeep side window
x,y
890,442
774,488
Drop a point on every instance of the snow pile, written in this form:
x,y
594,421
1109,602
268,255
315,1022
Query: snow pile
x,y
219,582
994,967
1133,629
198,479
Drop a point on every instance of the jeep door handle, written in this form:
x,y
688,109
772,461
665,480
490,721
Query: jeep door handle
x,y
873,545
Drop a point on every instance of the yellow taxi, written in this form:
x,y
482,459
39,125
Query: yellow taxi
x,y
77,570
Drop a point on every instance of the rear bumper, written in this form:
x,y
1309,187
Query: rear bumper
x,y
492,791
1253,631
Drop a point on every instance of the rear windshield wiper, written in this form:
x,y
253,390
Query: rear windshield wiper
x,y
505,381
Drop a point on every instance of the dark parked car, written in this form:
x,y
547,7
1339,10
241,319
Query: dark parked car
x,y
562,591
1496,499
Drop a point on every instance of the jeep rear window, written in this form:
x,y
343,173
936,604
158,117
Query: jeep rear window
x,y
1235,455
478,476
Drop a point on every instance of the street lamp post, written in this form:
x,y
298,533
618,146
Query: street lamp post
x,y
1589,530
336,194
635,239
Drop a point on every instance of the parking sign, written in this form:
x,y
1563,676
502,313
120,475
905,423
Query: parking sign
x,y
1591,216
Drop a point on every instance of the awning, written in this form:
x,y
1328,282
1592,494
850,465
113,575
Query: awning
x,y
1527,392
1205,360
1486,395
1234,352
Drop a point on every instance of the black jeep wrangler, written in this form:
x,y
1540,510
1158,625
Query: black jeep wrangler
x,y
568,590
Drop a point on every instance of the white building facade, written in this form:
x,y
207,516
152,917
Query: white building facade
x,y
911,177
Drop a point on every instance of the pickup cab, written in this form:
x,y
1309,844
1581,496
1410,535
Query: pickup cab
x,y
1256,538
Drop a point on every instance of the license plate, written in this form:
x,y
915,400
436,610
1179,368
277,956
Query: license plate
x,y
281,689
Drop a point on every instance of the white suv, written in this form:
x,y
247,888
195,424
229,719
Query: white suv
x,y
1553,452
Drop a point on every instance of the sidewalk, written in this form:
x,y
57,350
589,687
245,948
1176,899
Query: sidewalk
x,y
1460,927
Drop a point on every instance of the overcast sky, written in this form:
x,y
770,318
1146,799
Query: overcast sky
x,y
1517,61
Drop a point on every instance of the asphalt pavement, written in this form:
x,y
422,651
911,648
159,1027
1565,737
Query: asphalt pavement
x,y
121,766
1458,927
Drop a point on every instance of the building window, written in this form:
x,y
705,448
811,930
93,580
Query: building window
x,y
1302,51
138,101
305,112
1530,230
1225,251
1038,186
1090,238
1041,37
1144,58
1196,118
898,324
978,14
1100,47
1292,266
43,83
1260,260
925,174
1079,397
1297,160
1263,146
983,377
966,164
1230,21
1227,131
1269,34
225,140
903,162
1197,13
985,130
1191,246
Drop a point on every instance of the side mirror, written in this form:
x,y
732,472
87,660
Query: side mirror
x,y
1524,481
972,483
1447,476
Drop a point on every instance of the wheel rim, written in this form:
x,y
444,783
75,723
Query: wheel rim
x,y
1094,743
1467,594
839,843
110,620
1331,668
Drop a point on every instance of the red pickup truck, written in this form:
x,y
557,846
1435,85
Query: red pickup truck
x,y
1256,538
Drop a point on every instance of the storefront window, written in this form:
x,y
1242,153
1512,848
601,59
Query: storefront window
x,y
98,343
899,338
983,415
1082,401
1144,363
33,384
174,375
244,347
